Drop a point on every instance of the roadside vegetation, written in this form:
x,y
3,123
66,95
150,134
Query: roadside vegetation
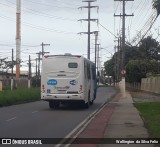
x,y
8,97
150,112
148,106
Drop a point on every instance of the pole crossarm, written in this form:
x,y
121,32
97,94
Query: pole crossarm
x,y
43,44
88,20
94,32
121,15
88,7
90,1
123,0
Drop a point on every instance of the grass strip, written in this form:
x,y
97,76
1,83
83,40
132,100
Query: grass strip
x,y
151,115
8,97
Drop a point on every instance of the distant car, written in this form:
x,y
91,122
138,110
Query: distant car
x,y
106,83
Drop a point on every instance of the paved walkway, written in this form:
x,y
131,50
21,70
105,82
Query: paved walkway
x,y
126,123
118,119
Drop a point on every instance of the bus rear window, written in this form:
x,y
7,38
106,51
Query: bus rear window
x,y
72,65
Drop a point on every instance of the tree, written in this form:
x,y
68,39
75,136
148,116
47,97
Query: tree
x,y
131,53
135,70
6,65
109,67
138,69
149,48
156,5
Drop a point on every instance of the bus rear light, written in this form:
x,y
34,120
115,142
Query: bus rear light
x,y
43,88
78,56
81,88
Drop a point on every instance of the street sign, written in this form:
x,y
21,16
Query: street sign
x,y
123,72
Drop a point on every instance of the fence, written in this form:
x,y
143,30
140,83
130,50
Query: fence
x,y
17,83
151,84
134,85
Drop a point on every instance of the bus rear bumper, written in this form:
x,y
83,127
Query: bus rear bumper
x,y
61,97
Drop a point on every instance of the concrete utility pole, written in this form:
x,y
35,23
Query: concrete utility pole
x,y
18,38
39,64
36,66
12,72
43,48
39,59
123,72
96,39
98,58
123,32
29,72
89,20
118,59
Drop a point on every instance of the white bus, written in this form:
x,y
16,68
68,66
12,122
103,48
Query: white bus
x,y
68,78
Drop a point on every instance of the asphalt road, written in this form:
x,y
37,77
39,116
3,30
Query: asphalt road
x,y
37,120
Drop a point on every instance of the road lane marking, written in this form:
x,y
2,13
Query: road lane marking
x,y
34,112
11,119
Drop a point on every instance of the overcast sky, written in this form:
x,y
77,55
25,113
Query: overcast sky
x,y
55,22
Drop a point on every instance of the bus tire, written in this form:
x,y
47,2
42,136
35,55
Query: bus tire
x,y
89,99
53,104
86,105
91,102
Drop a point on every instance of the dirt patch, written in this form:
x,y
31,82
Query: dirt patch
x,y
139,97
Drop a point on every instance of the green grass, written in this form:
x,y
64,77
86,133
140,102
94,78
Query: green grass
x,y
151,114
8,97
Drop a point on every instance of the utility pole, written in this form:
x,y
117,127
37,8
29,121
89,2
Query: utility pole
x,y
123,72
12,63
39,64
98,57
29,72
43,48
36,67
115,66
123,33
18,38
12,72
89,20
96,39
39,59
118,59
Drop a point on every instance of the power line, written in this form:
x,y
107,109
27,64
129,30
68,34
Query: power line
x,y
35,12
38,27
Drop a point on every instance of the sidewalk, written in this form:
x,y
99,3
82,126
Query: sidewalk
x,y
126,122
119,119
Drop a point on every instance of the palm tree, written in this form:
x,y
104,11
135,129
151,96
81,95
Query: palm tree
x,y
156,5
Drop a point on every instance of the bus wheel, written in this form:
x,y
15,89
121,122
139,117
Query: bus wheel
x,y
56,104
91,102
86,105
53,104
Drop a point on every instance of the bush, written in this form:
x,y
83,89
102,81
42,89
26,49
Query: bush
x,y
8,97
